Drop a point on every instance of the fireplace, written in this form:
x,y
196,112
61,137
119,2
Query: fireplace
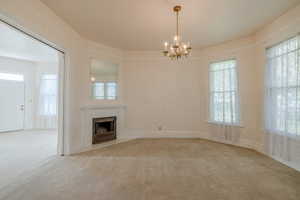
x,y
104,129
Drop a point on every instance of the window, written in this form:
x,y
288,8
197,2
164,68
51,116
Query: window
x,y
48,95
11,77
105,90
224,102
282,96
111,90
98,90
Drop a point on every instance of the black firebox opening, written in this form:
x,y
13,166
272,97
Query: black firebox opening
x,y
104,129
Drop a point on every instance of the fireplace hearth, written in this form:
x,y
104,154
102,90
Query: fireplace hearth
x,y
104,129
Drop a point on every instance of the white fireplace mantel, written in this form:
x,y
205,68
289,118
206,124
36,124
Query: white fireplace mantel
x,y
101,107
88,112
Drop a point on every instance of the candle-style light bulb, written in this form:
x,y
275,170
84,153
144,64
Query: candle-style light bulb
x,y
166,46
175,38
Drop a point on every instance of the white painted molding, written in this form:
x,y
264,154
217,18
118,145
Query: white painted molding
x,y
290,164
138,133
141,133
100,146
89,112
131,134
126,135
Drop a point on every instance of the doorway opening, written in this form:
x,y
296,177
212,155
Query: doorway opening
x,y
31,103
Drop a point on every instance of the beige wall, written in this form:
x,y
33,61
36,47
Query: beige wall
x,y
158,92
243,51
173,95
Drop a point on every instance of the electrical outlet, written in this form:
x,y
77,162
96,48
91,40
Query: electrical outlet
x,y
160,128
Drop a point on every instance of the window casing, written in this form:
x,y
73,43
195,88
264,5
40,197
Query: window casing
x,y
105,90
282,88
224,97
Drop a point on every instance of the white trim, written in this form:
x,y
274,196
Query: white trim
x,y
287,163
108,106
141,133
100,146
132,134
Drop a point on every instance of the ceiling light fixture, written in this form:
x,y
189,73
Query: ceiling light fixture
x,y
177,49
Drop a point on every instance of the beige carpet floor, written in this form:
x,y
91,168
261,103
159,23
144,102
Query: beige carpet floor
x,y
23,151
160,169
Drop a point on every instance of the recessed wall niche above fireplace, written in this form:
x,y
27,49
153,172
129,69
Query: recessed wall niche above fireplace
x,y
104,129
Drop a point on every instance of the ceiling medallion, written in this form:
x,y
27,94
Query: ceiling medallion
x,y
177,49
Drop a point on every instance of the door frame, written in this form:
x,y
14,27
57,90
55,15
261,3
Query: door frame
x,y
62,143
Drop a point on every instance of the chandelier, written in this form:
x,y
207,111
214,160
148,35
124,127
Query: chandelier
x,y
177,49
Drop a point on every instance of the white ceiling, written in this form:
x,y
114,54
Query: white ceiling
x,y
145,24
14,44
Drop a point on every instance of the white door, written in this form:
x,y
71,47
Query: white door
x,y
11,105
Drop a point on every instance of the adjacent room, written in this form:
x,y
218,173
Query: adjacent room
x,y
28,103
136,99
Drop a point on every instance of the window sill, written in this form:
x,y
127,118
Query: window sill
x,y
104,99
225,124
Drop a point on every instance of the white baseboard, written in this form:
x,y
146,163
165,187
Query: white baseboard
x,y
131,134
99,146
140,133
134,134
289,164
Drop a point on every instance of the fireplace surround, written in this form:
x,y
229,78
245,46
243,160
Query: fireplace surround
x,y
90,112
104,129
